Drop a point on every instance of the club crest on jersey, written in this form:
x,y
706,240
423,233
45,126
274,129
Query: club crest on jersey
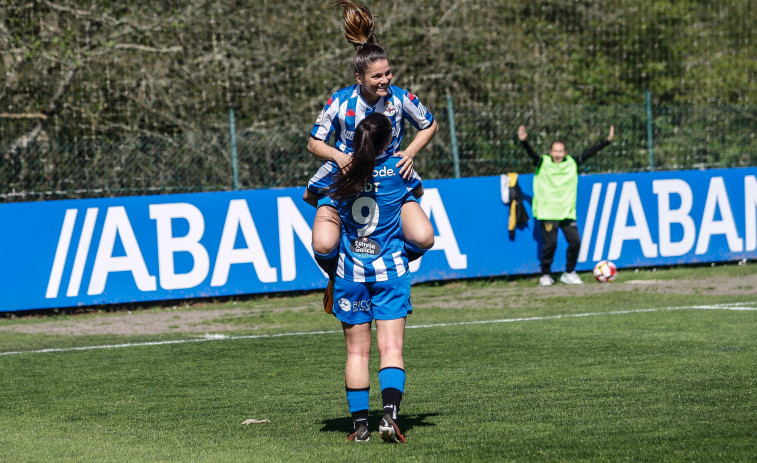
x,y
365,246
344,304
390,109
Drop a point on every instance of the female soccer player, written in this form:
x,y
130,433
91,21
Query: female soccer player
x,y
372,279
373,93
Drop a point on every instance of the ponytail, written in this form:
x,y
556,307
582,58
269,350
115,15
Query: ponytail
x,y
372,135
359,27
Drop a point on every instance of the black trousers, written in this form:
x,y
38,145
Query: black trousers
x,y
549,238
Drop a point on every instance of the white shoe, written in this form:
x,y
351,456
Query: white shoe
x,y
571,278
546,280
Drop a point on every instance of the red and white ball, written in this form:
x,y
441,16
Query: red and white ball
x,y
605,271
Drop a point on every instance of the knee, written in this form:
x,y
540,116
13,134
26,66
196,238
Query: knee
x,y
419,234
359,352
391,348
416,227
426,241
326,231
324,244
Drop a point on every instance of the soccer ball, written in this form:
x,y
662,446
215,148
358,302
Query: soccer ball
x,y
605,271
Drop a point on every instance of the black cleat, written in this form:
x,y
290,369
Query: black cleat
x,y
389,431
361,434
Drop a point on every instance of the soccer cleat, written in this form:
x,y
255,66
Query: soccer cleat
x,y
571,278
546,280
361,434
389,431
328,297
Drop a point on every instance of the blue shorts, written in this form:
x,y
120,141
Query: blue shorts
x,y
323,178
356,303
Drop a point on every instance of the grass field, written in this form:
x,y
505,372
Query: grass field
x,y
657,366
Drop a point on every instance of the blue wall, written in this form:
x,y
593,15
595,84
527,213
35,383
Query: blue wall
x,y
117,250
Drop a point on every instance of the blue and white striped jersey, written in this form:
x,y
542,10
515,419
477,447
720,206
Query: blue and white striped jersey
x,y
371,246
346,108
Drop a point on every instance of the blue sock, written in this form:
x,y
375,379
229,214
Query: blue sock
x,y
392,377
327,261
392,381
357,399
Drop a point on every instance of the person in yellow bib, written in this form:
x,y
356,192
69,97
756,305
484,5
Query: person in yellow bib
x,y
554,202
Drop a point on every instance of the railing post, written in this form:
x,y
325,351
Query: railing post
x,y
650,140
234,160
453,135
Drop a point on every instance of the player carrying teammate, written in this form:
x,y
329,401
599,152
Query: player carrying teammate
x,y
372,277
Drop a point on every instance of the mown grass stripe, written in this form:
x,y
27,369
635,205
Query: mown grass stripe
x,y
220,337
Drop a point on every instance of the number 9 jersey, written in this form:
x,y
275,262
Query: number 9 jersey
x,y
371,246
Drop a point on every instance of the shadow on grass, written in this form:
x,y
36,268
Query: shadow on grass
x,y
343,424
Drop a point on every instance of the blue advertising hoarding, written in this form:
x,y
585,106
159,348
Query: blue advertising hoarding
x,y
133,249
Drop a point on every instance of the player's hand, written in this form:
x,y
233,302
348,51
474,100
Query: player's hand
x,y
522,134
612,133
405,164
343,161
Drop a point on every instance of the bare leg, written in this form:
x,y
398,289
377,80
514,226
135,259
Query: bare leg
x,y
390,335
326,230
416,227
417,231
358,339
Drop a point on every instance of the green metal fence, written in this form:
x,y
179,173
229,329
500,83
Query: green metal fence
x,y
682,137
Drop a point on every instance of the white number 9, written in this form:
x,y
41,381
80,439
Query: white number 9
x,y
370,220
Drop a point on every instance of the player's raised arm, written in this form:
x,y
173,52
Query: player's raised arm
x,y
522,136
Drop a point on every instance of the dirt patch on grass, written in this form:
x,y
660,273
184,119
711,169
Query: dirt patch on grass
x,y
197,320
169,320
516,296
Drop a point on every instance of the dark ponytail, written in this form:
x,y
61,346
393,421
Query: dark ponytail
x,y
359,27
372,135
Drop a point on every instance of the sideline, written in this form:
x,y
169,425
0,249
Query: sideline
x,y
741,306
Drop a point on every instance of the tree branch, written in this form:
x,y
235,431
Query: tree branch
x,y
52,106
23,116
137,47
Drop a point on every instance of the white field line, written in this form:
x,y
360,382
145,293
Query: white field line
x,y
745,306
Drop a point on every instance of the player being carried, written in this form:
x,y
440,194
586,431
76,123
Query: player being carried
x,y
373,92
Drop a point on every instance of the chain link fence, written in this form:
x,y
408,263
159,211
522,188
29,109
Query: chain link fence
x,y
683,137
